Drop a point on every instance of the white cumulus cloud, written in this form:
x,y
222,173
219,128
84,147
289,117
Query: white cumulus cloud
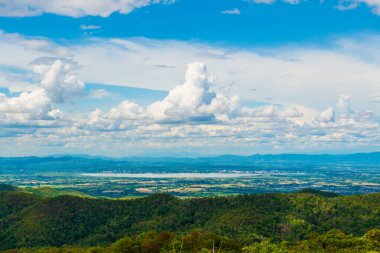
x,y
27,108
344,106
59,78
344,115
123,116
193,100
327,115
57,83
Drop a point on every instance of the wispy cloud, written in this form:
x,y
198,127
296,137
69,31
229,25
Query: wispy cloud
x,y
234,11
90,27
100,94
273,1
353,4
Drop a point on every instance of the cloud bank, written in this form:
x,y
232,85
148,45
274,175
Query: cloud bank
x,y
192,114
299,99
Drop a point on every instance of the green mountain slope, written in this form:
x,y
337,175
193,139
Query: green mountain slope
x,y
27,220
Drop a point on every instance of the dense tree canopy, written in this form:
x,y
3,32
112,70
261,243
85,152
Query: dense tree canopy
x,y
296,222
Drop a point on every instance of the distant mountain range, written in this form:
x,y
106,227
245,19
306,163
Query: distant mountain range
x,y
69,163
373,157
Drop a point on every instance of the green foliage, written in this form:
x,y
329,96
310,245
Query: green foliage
x,y
317,192
205,242
264,246
46,191
123,245
372,239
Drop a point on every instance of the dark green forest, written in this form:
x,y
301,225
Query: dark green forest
x,y
307,221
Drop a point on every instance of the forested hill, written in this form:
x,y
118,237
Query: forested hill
x,y
28,220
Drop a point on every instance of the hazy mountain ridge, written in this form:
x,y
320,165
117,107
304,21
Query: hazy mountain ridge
x,y
371,158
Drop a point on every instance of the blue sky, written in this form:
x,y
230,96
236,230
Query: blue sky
x,y
208,77
258,24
